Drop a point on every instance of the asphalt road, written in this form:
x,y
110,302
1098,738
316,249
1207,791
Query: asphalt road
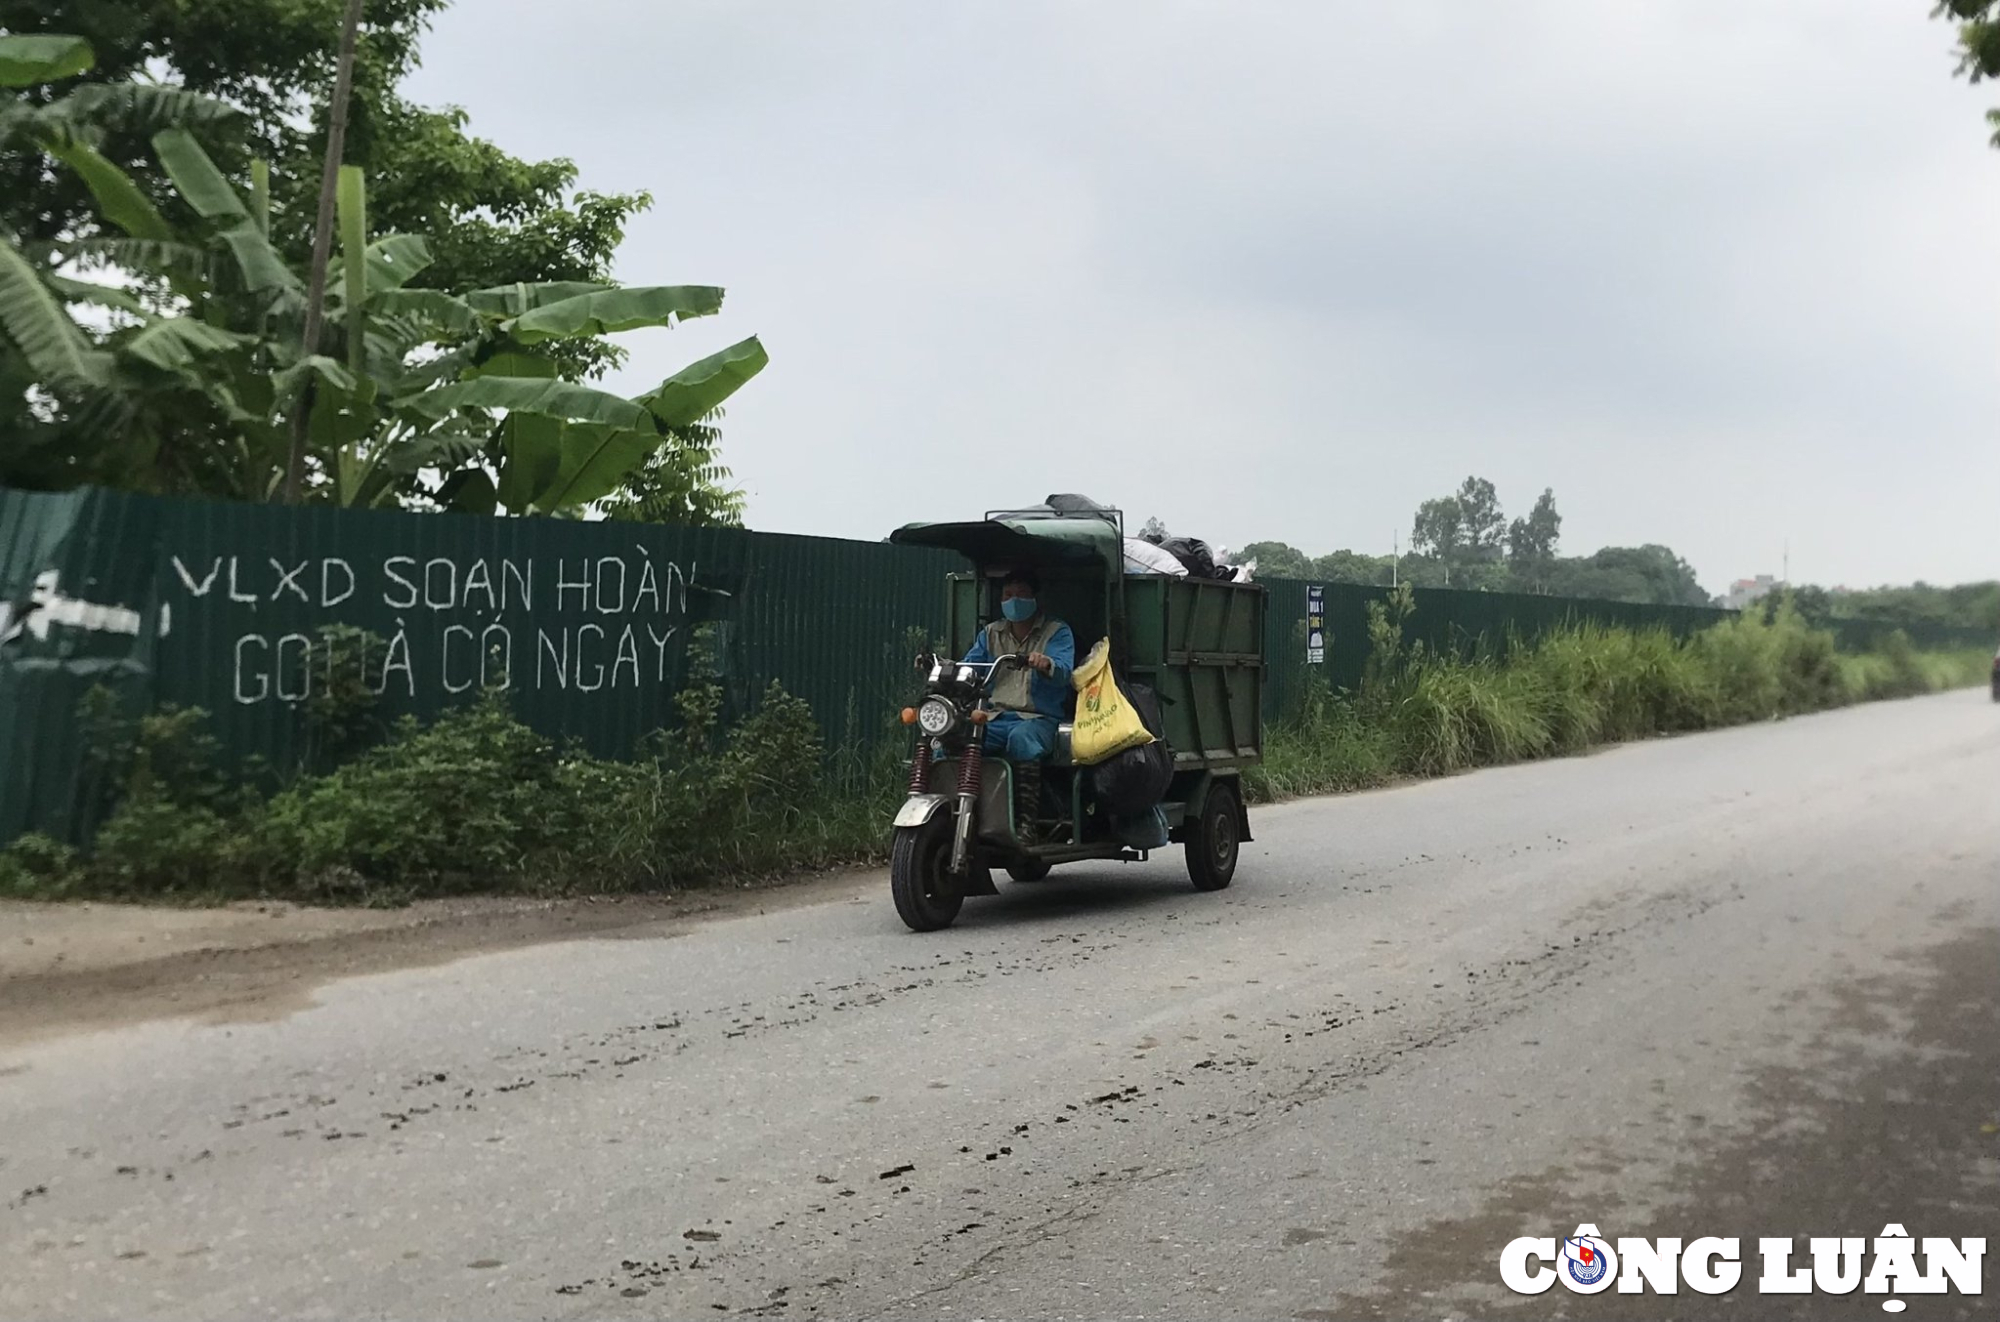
x,y
1746,983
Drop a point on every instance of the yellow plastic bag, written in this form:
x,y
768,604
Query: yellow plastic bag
x,y
1106,724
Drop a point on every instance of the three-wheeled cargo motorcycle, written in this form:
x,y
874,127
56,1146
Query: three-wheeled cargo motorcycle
x,y
1197,643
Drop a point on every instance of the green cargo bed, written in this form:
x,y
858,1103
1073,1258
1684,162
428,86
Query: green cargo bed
x,y
1197,642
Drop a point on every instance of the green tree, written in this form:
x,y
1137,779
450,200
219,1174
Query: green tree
x,y
1531,542
1484,527
116,395
1584,576
1813,604
426,398
682,482
1423,571
1482,576
1967,605
1352,567
1462,529
1439,531
1650,573
492,219
1276,560
1978,43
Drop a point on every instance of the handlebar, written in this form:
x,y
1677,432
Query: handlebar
x,y
990,667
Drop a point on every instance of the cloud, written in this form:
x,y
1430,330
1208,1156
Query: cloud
x,y
1715,270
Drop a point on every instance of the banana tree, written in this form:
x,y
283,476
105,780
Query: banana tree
x,y
88,112
421,398
461,386
101,384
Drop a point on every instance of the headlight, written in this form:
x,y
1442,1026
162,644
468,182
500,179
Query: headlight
x,y
935,716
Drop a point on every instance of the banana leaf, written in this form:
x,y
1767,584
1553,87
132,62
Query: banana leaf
x,y
42,58
116,195
259,264
428,307
595,461
290,383
104,296
132,107
532,445
40,326
511,362
697,390
607,311
392,262
173,344
469,491
556,399
195,175
457,442
518,300
169,258
339,418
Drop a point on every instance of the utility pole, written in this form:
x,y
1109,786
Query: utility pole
x,y
1395,556
336,141
1787,571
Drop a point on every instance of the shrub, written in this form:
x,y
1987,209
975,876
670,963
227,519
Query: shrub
x,y
152,846
1330,747
444,807
477,800
38,867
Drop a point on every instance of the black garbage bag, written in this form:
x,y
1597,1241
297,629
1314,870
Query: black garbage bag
x,y
1192,552
1136,779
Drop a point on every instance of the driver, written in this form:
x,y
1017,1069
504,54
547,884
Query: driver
x,y
1029,700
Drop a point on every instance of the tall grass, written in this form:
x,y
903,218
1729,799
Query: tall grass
x,y
1431,715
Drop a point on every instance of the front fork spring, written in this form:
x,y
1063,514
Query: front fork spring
x,y
968,799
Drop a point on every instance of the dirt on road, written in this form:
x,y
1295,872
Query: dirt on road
x,y
71,967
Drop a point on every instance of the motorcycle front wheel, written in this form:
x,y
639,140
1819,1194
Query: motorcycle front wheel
x,y
927,897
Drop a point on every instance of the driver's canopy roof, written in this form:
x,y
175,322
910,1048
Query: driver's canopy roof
x,y
1026,540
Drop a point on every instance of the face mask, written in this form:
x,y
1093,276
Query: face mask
x,y
1018,609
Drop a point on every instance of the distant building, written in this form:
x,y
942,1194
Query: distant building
x,y
1746,590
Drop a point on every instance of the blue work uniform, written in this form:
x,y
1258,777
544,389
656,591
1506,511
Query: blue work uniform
x,y
1030,704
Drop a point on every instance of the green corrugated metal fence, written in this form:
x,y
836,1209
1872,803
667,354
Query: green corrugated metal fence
x,y
1445,619
586,625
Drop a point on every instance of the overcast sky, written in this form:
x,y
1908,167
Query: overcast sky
x,y
1721,272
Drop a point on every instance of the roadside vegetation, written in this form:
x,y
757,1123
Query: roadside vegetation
x,y
1432,715
478,802
474,802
